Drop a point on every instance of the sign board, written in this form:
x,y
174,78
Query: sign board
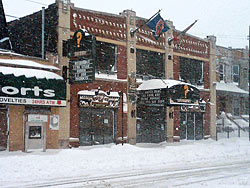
x,y
81,70
32,91
54,122
82,54
156,97
100,100
183,95
37,118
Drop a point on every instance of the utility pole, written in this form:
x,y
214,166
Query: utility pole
x,y
43,12
248,75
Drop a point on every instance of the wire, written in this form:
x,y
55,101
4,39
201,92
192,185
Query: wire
x,y
36,2
12,16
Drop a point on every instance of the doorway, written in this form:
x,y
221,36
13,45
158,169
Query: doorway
x,y
96,126
191,125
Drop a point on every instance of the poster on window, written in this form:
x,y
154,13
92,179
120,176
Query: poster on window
x,y
54,122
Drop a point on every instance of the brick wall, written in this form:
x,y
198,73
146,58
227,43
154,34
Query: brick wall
x,y
26,33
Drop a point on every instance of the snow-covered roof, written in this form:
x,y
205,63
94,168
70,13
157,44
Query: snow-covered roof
x,y
160,84
92,93
229,87
28,73
26,63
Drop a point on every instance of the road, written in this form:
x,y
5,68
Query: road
x,y
181,176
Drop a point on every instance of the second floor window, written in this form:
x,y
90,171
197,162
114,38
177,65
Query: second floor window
x,y
106,60
236,73
221,72
149,64
191,71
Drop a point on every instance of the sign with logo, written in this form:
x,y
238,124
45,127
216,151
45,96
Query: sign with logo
x,y
82,53
32,91
101,100
183,94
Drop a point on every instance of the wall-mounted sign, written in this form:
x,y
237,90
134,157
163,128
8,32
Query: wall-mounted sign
x,y
54,122
156,97
37,118
183,94
81,70
100,100
32,91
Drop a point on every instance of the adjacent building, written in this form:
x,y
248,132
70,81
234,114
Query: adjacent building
x,y
232,68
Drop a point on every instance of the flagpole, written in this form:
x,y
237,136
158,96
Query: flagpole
x,y
181,33
133,32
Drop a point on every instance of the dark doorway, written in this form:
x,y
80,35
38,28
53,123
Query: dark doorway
x,y
3,128
150,124
96,126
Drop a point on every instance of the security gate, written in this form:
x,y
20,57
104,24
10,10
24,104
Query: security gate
x,y
150,124
191,125
96,126
3,128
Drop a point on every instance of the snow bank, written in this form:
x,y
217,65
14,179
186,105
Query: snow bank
x,y
18,167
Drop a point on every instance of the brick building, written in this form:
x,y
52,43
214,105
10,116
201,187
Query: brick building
x,y
123,63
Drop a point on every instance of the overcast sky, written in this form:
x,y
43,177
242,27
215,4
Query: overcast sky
x,y
228,20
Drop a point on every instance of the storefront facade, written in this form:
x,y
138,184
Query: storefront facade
x,y
29,102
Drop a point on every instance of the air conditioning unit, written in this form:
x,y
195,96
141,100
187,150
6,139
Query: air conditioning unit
x,y
54,122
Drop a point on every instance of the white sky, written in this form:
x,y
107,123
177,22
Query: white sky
x,y
228,20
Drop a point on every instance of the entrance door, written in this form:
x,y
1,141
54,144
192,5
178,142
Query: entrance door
x,y
34,136
191,126
96,126
3,129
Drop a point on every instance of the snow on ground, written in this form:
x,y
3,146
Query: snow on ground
x,y
18,167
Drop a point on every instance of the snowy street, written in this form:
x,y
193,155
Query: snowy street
x,y
203,164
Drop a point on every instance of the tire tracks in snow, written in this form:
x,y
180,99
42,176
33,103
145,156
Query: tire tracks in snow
x,y
137,178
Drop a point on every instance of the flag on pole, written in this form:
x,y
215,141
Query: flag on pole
x,y
179,36
157,25
4,35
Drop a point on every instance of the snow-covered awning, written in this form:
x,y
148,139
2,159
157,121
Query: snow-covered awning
x,y
28,73
158,92
31,87
93,92
160,84
26,63
229,87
